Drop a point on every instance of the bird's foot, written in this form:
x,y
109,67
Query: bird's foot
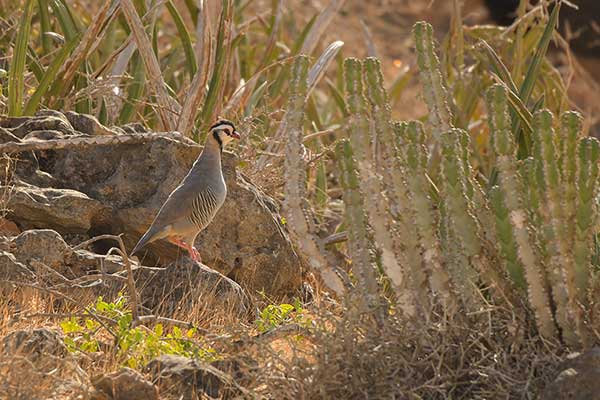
x,y
194,254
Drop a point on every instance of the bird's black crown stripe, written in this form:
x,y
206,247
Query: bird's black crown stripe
x,y
223,122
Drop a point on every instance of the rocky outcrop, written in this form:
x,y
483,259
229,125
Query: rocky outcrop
x,y
35,364
42,257
126,384
579,378
117,188
189,378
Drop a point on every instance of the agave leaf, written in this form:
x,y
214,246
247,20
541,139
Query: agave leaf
x,y
50,75
185,38
16,83
318,69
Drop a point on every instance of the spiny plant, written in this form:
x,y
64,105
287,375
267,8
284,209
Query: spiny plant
x,y
438,235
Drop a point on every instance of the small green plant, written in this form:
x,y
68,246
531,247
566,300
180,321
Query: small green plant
x,y
134,346
275,315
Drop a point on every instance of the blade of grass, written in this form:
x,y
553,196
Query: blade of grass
x,y
45,25
34,64
318,69
322,22
167,106
534,66
195,94
64,19
215,86
186,41
16,82
49,76
135,90
78,56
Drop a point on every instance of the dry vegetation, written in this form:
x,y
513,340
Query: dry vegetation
x,y
430,291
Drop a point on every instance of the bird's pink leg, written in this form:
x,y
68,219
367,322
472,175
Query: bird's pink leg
x,y
194,254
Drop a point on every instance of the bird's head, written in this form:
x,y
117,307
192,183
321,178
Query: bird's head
x,y
224,131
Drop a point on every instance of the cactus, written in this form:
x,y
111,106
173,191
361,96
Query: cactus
x,y
435,228
588,154
295,182
392,174
512,187
434,91
561,265
410,146
357,225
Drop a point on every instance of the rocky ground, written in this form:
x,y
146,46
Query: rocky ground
x,y
56,199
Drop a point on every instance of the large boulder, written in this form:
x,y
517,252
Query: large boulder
x,y
118,188
187,378
126,384
35,364
42,256
579,378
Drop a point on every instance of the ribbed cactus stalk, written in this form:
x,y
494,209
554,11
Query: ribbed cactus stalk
x,y
376,203
588,154
295,182
512,187
506,239
359,243
392,173
434,91
462,224
561,273
410,146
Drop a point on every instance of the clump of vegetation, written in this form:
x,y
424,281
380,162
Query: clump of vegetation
x,y
456,263
275,315
132,346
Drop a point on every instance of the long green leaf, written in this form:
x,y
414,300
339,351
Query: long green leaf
x,y
186,41
534,66
49,77
16,81
221,60
67,25
45,25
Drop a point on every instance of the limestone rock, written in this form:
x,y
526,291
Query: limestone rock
x,y
579,378
64,210
187,378
126,384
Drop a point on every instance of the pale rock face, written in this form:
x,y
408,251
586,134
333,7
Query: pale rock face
x,y
82,192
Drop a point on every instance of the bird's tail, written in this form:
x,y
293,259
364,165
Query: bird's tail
x,y
150,236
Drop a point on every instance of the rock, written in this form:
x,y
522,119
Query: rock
x,y
87,124
35,364
187,378
118,188
36,344
579,378
184,283
126,384
43,123
8,228
44,245
245,242
64,210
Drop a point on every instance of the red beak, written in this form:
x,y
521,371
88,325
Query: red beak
x,y
235,135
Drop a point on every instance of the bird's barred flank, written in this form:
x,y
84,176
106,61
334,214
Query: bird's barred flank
x,y
203,208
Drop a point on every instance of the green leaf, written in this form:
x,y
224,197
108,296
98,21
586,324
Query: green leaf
x,y
49,77
16,82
